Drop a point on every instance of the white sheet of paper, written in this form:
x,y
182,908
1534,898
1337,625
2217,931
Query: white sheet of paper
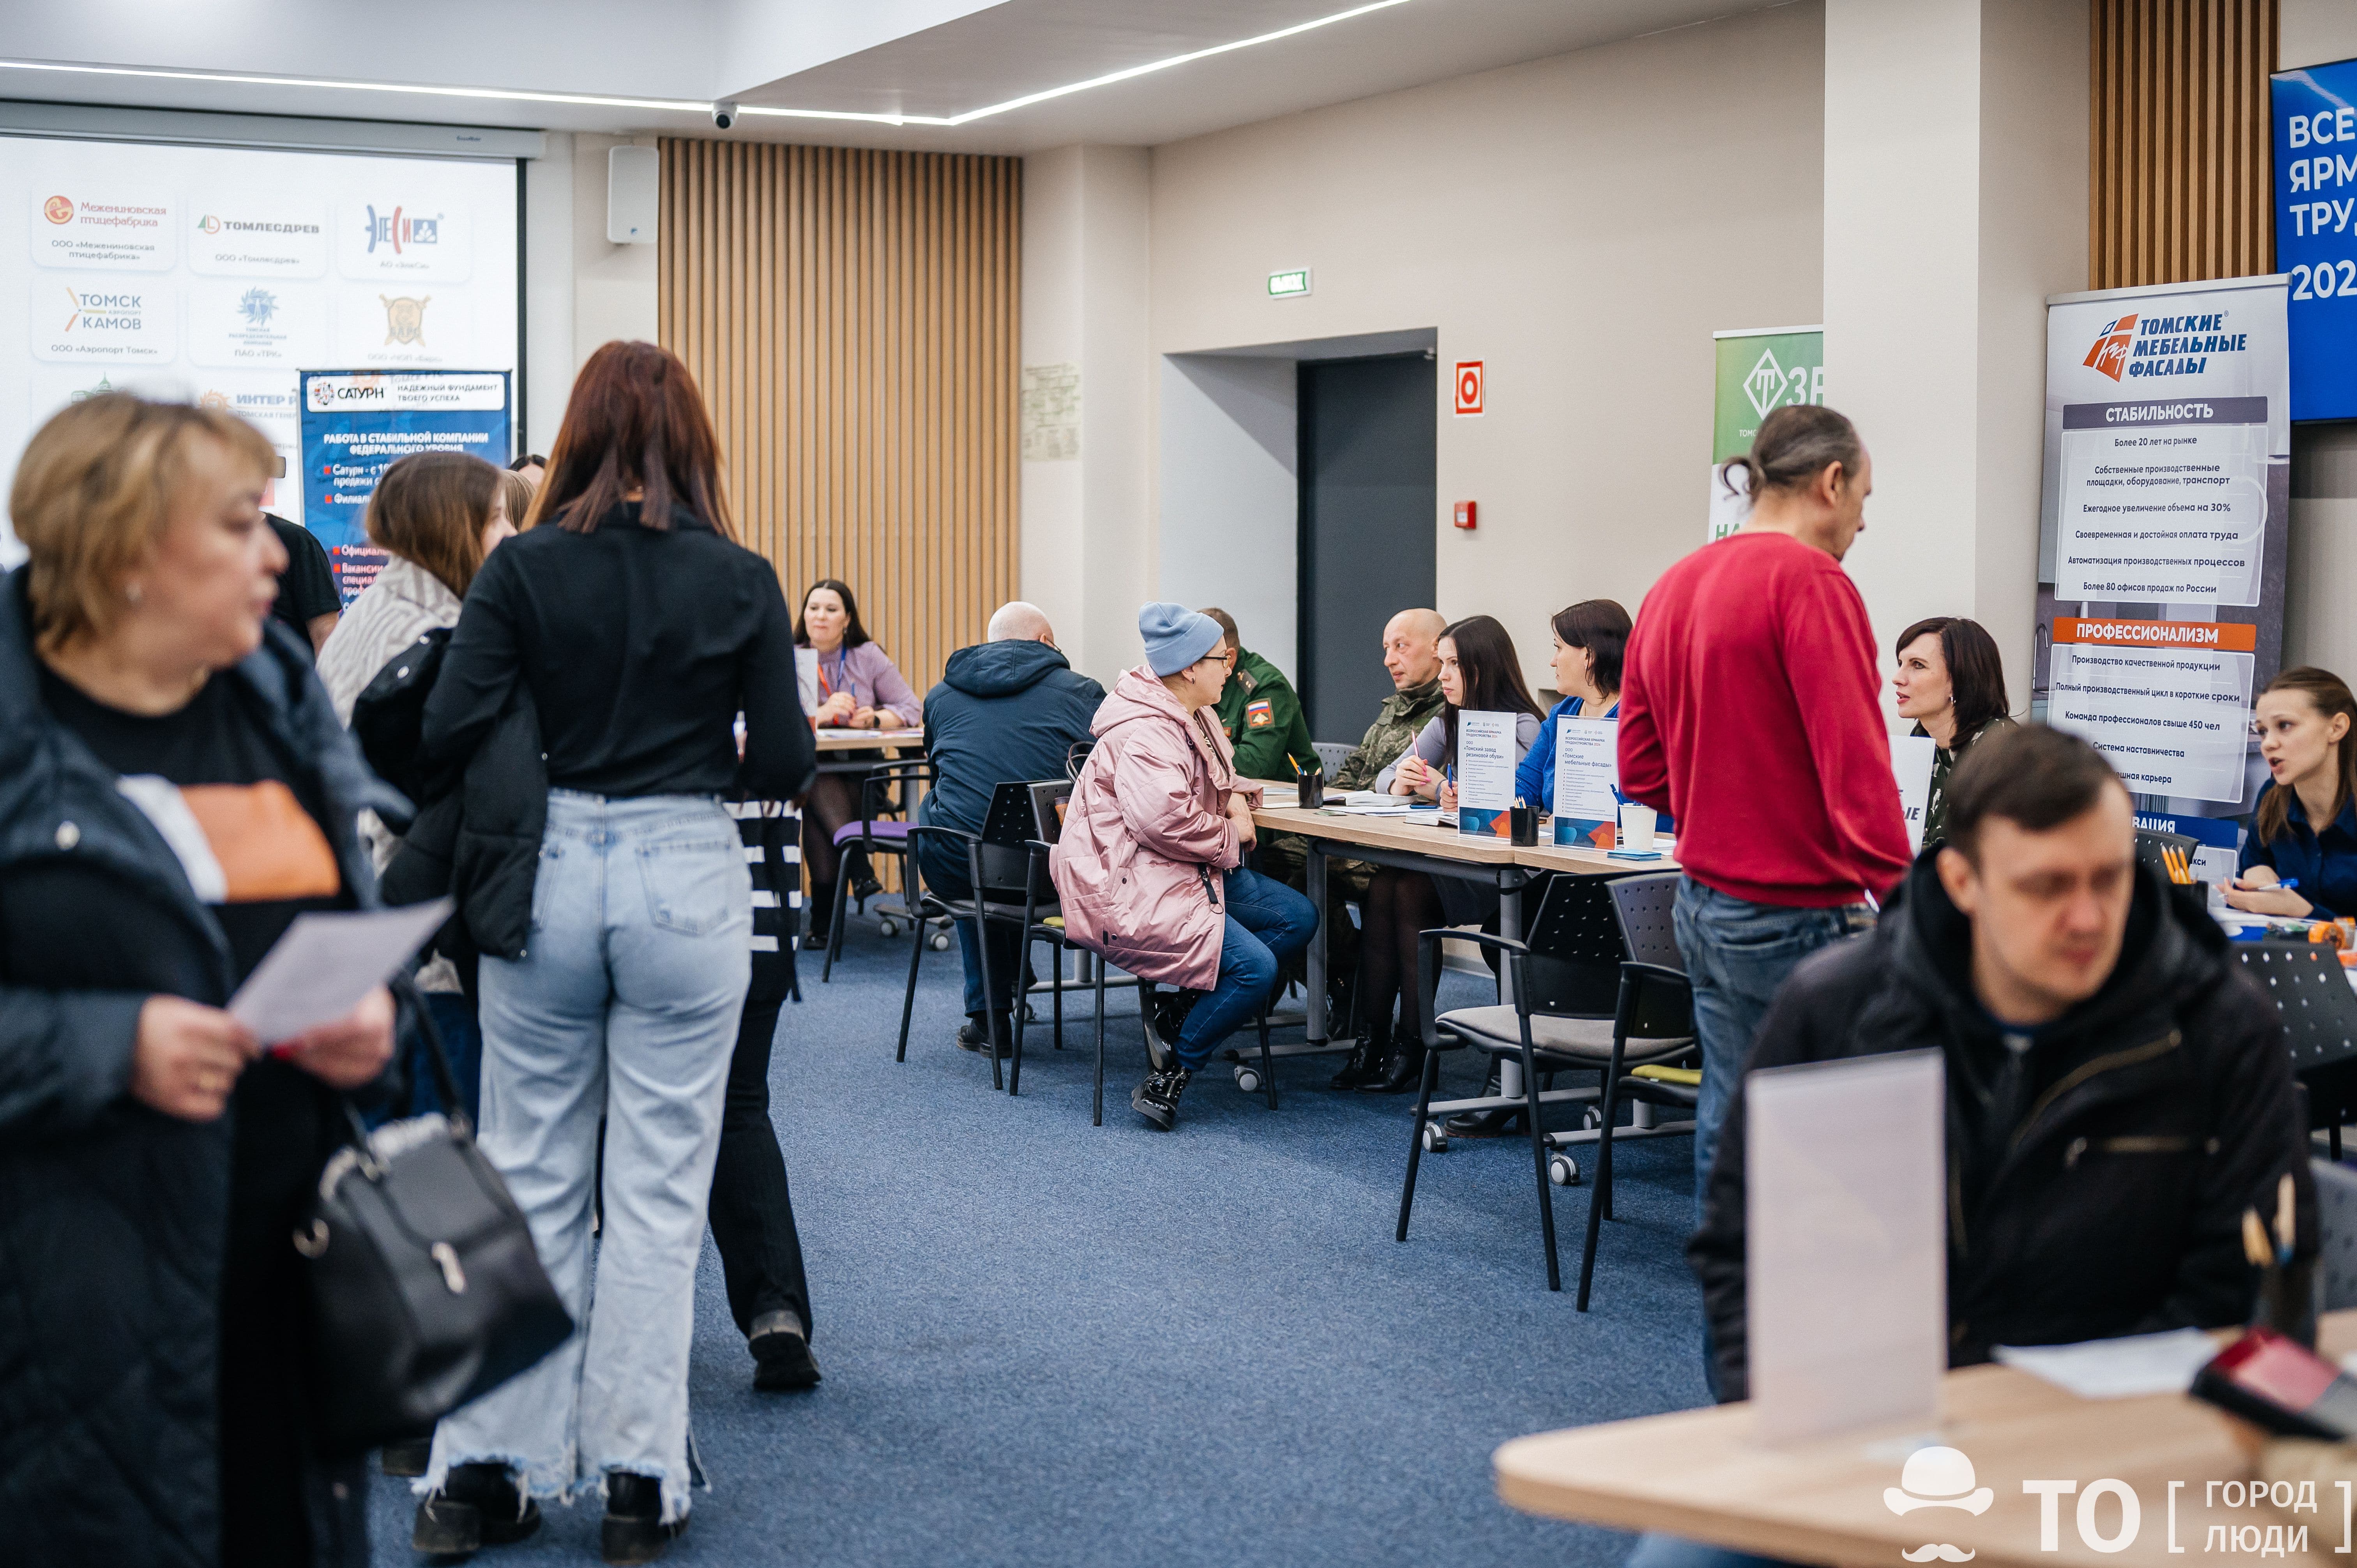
x,y
806,677
1847,1257
1588,768
326,963
1485,762
1912,757
2117,1368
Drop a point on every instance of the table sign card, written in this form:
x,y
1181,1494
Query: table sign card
x,y
1485,773
1586,782
1911,762
1848,1244
806,677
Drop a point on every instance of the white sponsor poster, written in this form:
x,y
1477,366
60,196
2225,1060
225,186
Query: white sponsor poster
x,y
2164,521
220,273
1911,758
1845,1195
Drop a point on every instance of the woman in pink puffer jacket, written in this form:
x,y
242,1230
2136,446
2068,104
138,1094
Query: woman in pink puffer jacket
x,y
1149,866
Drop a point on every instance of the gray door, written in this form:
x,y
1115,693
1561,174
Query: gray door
x,y
1367,512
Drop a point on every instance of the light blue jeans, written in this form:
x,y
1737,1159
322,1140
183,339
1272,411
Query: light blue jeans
x,y
1736,954
625,1006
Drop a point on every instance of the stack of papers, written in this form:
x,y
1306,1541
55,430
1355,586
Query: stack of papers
x,y
2117,1368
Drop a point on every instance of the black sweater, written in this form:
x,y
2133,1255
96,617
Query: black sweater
x,y
640,647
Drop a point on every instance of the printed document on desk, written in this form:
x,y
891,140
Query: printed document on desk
x,y
326,963
1586,782
1912,757
1485,773
1846,1260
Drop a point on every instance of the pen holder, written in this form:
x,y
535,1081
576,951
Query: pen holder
x,y
1523,824
2288,1300
1310,783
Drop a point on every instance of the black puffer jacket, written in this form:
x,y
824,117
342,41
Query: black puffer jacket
x,y
113,1217
2158,1111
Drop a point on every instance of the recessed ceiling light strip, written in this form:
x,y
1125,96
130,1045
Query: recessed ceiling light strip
x,y
680,105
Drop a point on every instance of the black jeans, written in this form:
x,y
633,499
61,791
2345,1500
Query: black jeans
x,y
752,1212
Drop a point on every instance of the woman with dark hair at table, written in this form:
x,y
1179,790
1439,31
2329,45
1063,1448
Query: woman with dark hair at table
x,y
1479,672
858,688
1950,681
175,791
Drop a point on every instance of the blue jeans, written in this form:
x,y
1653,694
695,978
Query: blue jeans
x,y
1736,954
1674,1551
1268,923
625,1005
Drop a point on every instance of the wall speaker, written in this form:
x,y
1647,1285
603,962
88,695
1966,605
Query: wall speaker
x,y
633,194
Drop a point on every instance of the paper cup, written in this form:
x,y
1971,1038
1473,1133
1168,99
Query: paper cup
x,y
1636,826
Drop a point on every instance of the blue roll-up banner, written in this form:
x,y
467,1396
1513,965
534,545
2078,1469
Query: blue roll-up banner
x,y
2316,234
356,423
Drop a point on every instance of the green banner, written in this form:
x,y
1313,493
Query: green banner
x,y
1758,371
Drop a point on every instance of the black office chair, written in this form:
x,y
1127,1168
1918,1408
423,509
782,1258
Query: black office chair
x,y
882,829
1076,757
2312,992
1655,1002
1008,870
1554,1024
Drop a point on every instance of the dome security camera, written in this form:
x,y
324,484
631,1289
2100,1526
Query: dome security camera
x,y
724,114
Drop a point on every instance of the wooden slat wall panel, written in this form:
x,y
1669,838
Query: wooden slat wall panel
x,y
851,316
2179,142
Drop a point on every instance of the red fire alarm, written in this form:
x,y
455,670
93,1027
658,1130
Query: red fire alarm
x,y
1465,514
1469,386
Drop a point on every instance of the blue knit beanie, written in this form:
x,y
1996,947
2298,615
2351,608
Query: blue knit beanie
x,y
1176,635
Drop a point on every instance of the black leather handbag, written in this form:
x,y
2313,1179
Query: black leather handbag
x,y
425,1288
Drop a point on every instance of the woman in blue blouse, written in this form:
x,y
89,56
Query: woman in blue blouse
x,y
1588,639
2289,867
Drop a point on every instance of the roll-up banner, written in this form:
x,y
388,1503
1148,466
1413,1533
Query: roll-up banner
x,y
357,424
1760,369
2161,531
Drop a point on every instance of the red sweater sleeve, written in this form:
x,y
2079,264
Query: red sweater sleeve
x,y
1644,765
1828,630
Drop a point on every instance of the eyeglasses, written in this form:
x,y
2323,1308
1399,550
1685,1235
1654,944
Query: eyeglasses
x,y
1228,658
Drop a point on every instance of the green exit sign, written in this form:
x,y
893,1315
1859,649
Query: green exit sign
x,y
1283,285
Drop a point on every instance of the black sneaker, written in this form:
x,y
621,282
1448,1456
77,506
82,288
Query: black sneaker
x,y
633,1530
1156,1099
477,1505
975,1033
782,1353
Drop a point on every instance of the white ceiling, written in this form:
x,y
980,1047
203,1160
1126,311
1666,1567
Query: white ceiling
x,y
885,56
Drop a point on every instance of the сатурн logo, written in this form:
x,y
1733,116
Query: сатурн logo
x,y
58,209
2110,354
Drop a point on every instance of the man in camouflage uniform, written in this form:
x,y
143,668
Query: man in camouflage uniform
x,y
1412,655
1261,714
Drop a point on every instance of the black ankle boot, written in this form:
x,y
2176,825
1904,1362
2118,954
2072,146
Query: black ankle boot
x,y
477,1505
1402,1069
1362,1067
633,1530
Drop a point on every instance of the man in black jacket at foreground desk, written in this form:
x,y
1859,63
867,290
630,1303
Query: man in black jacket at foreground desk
x,y
2118,1089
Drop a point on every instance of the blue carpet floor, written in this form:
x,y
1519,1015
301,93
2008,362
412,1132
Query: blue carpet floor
x,y
1046,1343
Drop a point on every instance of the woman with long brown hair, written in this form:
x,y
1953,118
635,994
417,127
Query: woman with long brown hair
x,y
639,629
1479,672
2290,864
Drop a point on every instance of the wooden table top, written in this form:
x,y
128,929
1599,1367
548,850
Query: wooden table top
x,y
868,739
1704,1475
1279,814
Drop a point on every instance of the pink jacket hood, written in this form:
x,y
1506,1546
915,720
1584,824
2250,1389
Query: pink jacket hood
x,y
1146,835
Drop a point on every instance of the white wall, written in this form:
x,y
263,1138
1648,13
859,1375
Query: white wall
x,y
1230,497
1085,557
1582,225
548,269
1955,198
613,286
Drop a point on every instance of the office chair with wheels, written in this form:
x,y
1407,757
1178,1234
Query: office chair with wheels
x,y
881,828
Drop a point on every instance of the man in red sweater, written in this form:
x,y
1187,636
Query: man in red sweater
x,y
1748,709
